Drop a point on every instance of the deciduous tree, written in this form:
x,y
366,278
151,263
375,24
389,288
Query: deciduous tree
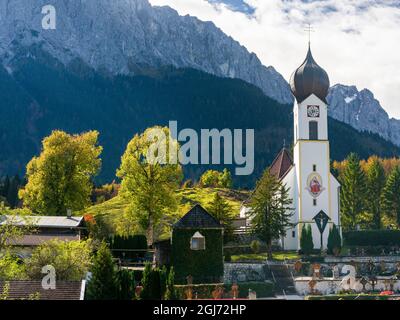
x,y
60,177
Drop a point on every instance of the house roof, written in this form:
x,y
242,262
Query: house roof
x,y
38,239
281,165
42,221
197,217
31,289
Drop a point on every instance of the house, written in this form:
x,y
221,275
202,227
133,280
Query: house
x,y
197,248
42,229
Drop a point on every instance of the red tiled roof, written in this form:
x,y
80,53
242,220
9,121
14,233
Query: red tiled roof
x,y
32,289
281,165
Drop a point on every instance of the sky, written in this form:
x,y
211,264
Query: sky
x,y
356,41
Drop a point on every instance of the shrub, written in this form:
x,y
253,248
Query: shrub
x,y
255,246
126,282
372,238
155,283
171,293
334,240
306,240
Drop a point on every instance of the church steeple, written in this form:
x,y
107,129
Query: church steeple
x,y
309,79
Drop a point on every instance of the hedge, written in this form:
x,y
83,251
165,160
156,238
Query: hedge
x,y
205,266
372,238
204,291
136,242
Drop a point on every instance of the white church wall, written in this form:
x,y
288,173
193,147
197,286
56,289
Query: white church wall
x,y
291,242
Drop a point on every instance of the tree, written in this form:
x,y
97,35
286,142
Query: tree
x,y
71,260
375,176
11,268
306,240
221,210
391,195
104,282
334,240
150,177
126,282
153,282
60,178
216,179
353,192
171,293
270,210
210,179
225,179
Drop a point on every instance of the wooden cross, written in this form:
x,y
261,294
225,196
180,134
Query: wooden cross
x,y
309,29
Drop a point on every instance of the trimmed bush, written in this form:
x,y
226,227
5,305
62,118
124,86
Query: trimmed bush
x,y
306,240
136,242
334,240
372,238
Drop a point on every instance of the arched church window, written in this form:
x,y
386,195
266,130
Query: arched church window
x,y
313,130
198,242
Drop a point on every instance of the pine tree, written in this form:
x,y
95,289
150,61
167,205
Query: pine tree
x,y
334,240
171,293
270,210
221,210
103,285
126,281
306,240
376,180
391,195
353,192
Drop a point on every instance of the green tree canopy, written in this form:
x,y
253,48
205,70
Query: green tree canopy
x,y
150,175
306,239
71,260
391,195
216,179
270,209
60,177
353,193
375,176
334,240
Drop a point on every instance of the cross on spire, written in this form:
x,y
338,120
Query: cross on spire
x,y
309,29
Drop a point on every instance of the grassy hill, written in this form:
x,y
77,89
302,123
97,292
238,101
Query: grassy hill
x,y
112,210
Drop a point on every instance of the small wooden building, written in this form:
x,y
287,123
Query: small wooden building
x,y
197,248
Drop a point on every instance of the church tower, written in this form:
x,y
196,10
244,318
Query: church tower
x,y
314,189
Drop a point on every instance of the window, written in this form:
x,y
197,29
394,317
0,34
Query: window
x,y
313,130
198,242
314,202
314,167
293,234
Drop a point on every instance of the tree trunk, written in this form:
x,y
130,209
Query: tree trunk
x,y
269,250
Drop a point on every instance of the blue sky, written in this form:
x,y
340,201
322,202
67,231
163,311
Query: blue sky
x,y
356,41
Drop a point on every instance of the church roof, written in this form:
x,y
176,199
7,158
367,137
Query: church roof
x,y
309,79
197,217
281,165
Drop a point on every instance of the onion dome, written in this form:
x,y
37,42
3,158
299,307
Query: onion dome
x,y
309,79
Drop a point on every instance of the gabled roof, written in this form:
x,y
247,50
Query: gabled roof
x,y
197,217
32,289
43,221
281,165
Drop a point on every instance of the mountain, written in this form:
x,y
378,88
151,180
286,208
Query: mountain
x,y
42,94
129,37
362,111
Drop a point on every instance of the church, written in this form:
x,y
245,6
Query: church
x,y
313,188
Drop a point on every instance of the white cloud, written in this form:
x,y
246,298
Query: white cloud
x,y
356,41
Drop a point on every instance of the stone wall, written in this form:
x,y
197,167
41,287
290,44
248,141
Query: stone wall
x,y
244,272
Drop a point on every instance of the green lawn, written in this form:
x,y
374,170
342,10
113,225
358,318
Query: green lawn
x,y
279,255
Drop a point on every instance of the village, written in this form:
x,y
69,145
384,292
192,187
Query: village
x,y
310,229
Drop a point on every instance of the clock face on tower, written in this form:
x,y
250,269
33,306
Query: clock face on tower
x,y
313,111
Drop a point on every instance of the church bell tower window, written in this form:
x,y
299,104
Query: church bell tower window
x,y
313,129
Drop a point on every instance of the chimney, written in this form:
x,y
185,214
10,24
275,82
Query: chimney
x,y
69,213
